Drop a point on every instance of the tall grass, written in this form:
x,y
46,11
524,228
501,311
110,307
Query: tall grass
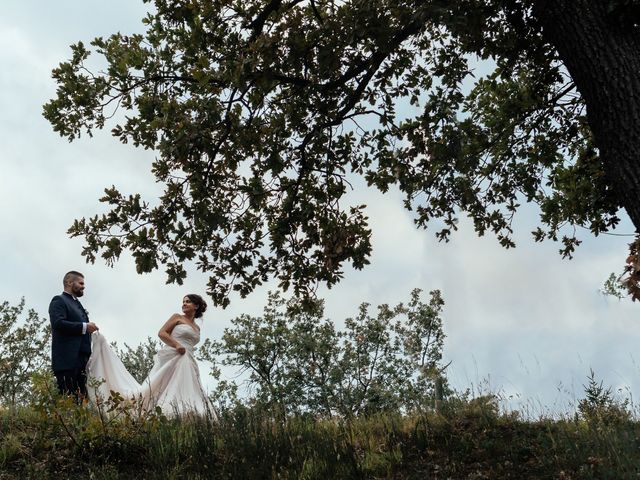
x,y
467,439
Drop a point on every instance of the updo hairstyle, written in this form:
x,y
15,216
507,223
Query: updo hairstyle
x,y
198,301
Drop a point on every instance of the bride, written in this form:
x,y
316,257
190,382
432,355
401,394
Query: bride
x,y
173,384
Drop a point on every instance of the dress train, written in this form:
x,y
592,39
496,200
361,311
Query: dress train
x,y
173,383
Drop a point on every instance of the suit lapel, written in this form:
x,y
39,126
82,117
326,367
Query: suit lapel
x,y
76,307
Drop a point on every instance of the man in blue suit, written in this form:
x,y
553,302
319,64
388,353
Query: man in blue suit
x,y
70,337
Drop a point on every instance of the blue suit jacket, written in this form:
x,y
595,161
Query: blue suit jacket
x,y
69,347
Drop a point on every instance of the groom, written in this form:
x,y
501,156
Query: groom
x,y
70,337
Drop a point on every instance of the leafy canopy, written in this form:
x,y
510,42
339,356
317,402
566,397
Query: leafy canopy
x,y
262,111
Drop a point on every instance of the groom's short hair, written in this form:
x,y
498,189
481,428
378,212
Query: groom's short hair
x,y
71,276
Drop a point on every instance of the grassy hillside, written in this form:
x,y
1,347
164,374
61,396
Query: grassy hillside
x,y
467,440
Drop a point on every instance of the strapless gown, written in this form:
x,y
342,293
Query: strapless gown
x,y
173,383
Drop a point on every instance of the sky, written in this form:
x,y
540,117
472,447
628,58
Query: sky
x,y
521,323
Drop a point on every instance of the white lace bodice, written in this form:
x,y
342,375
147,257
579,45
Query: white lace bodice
x,y
186,335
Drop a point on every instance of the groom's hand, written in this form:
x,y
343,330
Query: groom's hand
x,y
181,350
91,327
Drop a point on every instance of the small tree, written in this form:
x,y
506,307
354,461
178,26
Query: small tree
x,y
297,361
599,406
24,350
315,360
259,346
391,361
423,341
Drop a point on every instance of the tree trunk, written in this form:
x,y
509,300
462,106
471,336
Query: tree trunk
x,y
604,61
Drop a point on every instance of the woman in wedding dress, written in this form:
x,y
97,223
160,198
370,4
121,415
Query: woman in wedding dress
x,y
173,383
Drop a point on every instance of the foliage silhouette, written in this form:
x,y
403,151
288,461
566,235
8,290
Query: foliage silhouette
x,y
264,113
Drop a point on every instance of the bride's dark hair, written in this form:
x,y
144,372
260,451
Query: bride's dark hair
x,y
199,302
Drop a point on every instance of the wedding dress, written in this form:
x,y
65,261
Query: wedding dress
x,y
173,383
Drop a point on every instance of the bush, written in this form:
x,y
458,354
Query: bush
x,y
298,362
600,407
24,350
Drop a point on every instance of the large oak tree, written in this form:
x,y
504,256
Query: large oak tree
x,y
262,111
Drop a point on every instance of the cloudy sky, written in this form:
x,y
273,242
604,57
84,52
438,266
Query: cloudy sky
x,y
522,323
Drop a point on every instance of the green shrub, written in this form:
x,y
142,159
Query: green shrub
x,y
600,407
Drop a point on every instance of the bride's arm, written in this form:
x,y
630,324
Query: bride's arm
x,y
165,333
